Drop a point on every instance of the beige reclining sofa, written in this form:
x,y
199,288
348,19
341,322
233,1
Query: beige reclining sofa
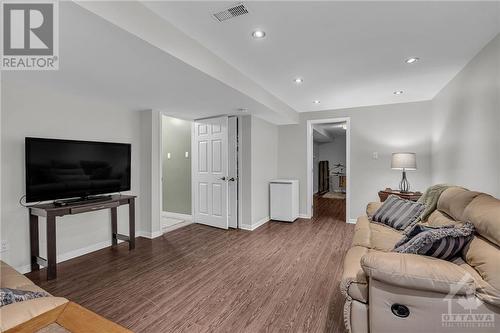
x,y
17,313
393,292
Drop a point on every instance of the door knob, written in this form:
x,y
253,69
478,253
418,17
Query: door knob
x,y
223,178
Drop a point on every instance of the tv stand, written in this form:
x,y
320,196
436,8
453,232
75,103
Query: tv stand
x,y
51,211
82,200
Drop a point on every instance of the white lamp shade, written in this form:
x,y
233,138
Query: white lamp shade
x,y
406,161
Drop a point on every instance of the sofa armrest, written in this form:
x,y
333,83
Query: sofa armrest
x,y
418,272
372,207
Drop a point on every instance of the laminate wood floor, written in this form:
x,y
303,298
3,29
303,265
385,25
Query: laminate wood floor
x,y
282,277
332,209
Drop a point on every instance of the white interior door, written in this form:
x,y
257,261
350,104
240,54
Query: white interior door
x,y
210,177
233,172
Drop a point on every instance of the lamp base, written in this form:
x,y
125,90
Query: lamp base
x,y
404,185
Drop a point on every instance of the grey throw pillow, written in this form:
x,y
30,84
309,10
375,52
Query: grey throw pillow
x,y
439,242
398,213
9,296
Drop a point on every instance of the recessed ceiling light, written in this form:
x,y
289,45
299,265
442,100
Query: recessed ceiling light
x,y
398,92
298,80
316,102
258,34
412,60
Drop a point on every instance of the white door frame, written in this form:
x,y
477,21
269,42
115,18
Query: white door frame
x,y
158,193
310,170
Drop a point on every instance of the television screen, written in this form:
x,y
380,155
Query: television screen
x,y
59,169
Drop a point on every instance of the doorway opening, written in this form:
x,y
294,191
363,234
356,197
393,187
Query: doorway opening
x,y
199,172
328,161
175,173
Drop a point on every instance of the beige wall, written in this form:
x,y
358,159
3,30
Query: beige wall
x,y
466,122
176,173
384,129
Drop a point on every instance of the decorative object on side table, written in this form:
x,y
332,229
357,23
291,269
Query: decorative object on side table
x,y
413,196
405,162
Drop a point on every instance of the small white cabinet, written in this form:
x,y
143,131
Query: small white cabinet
x,y
284,194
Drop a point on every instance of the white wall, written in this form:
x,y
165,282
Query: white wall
x,y
466,122
384,129
35,110
259,162
334,152
264,166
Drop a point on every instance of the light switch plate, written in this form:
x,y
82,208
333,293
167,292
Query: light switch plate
x,y
375,155
186,154
168,156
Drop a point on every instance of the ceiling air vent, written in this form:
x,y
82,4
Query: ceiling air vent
x,y
231,12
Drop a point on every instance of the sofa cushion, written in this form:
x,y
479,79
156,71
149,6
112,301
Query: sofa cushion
x,y
484,213
484,290
439,219
353,281
383,238
372,208
398,213
10,278
374,236
454,200
18,313
484,257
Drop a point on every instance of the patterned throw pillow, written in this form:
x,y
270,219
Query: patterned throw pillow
x,y
439,242
398,213
8,295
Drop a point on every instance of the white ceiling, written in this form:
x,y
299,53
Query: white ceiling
x,y
100,61
349,53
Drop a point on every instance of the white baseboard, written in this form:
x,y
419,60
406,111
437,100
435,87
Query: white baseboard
x,y
88,249
176,226
352,221
305,216
255,225
150,235
185,217
72,254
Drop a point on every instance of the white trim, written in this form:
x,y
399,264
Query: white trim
x,y
309,157
304,216
255,225
73,254
352,221
150,235
176,226
185,217
89,249
240,172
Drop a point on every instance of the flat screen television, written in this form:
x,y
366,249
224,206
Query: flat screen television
x,y
63,169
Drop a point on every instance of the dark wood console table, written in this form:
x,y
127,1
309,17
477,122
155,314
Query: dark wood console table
x,y
51,211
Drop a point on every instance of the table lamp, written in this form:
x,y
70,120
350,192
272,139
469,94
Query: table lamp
x,y
404,161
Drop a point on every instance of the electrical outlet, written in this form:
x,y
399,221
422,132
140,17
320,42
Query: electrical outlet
x,y
4,246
